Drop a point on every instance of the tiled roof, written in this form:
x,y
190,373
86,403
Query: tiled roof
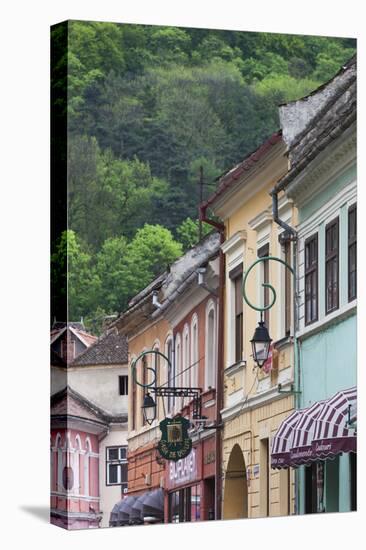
x,y
109,349
334,111
65,401
57,325
77,329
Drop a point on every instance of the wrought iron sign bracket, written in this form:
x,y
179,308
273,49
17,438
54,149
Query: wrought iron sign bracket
x,y
166,391
212,427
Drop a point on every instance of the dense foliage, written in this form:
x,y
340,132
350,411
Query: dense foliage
x,y
147,107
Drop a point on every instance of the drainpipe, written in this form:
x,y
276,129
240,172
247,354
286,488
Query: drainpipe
x,y
220,361
292,234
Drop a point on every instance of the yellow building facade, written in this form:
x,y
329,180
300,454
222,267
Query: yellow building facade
x,y
255,400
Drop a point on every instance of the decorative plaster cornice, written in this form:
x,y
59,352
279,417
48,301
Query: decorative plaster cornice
x,y
235,240
245,404
323,168
261,220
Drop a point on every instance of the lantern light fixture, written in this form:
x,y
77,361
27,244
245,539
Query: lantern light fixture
x,y
149,409
261,343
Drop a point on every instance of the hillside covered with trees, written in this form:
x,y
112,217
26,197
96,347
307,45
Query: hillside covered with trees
x,y
147,106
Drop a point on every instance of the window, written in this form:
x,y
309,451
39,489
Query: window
x,y
263,252
186,358
238,320
117,467
123,385
352,252
178,362
144,381
170,373
210,372
353,475
185,505
156,360
194,352
87,466
236,276
311,279
314,488
68,478
134,398
332,266
287,289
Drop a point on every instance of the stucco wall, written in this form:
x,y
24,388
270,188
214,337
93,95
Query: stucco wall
x,y
109,495
100,385
247,430
328,361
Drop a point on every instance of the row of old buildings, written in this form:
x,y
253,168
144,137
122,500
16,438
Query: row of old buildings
x,y
273,437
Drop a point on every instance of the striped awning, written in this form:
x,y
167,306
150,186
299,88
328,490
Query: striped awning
x,y
120,513
321,431
302,451
334,432
282,442
153,506
148,506
125,510
136,514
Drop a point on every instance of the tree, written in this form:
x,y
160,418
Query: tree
x,y
187,232
118,195
110,267
73,273
148,254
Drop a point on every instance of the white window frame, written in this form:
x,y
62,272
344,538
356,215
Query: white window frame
x,y
78,451
116,462
194,351
178,366
156,360
88,448
234,250
169,401
186,352
210,349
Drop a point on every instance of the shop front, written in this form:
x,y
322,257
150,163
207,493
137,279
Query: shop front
x,y
321,441
190,485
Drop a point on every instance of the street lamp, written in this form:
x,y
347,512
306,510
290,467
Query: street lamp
x,y
149,409
149,405
261,343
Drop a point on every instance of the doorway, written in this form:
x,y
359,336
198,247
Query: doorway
x,y
236,489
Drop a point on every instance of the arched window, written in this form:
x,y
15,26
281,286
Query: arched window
x,y
57,463
133,393
194,351
178,363
210,363
186,378
77,461
68,474
144,378
158,379
87,467
169,403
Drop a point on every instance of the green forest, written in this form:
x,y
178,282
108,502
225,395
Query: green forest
x,y
147,107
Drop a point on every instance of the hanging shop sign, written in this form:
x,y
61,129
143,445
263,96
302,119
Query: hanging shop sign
x,y
184,470
174,443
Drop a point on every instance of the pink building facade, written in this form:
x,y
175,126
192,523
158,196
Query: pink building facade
x,y
75,497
